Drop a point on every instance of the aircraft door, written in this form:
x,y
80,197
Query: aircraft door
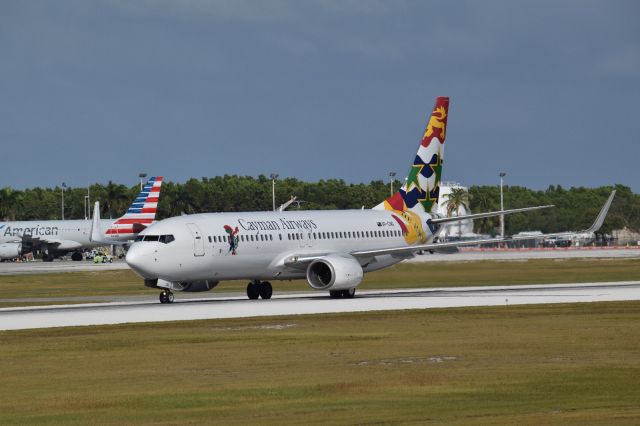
x,y
198,241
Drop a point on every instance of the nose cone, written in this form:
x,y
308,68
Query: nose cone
x,y
139,260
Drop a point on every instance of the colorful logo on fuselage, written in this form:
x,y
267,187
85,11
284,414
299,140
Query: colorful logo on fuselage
x,y
232,239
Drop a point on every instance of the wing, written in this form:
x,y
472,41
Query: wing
x,y
439,220
435,246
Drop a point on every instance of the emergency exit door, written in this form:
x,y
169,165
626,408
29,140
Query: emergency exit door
x,y
198,240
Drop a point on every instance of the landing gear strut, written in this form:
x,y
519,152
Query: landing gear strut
x,y
257,288
342,294
166,297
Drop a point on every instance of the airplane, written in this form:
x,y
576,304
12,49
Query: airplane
x,y
56,238
331,249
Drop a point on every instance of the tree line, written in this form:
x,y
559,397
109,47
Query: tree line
x,y
576,208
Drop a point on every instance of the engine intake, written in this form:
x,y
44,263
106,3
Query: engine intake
x,y
334,272
10,250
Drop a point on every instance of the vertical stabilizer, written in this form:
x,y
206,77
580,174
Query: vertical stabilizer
x,y
422,187
141,213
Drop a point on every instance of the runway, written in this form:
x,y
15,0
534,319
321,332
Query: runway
x,y
473,254
300,304
15,268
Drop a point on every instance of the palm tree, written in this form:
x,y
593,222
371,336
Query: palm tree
x,y
458,197
484,201
117,199
9,201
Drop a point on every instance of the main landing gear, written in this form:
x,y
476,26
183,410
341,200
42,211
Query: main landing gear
x,y
342,294
257,288
166,297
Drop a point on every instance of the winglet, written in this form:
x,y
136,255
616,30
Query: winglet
x,y
603,213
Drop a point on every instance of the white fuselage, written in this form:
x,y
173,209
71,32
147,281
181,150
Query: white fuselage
x,y
71,234
201,249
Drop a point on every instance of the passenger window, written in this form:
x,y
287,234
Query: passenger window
x,y
280,237
210,239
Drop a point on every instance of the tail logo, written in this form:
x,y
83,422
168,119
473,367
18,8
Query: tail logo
x,y
436,122
232,239
422,187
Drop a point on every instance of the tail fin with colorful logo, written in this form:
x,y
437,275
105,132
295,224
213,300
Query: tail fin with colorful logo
x,y
422,187
141,213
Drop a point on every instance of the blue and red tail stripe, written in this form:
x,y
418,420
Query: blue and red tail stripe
x,y
142,211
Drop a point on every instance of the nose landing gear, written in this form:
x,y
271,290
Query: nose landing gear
x,y
166,297
257,288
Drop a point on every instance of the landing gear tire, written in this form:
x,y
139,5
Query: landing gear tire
x,y
348,293
342,294
265,290
166,297
253,290
76,256
47,258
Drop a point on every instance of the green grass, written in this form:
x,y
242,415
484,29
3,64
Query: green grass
x,y
528,365
404,275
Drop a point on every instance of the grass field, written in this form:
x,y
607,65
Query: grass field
x,y
405,275
549,364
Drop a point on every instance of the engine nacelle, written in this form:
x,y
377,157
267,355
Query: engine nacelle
x,y
10,250
334,272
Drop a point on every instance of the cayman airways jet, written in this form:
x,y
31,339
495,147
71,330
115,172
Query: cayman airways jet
x,y
331,249
58,237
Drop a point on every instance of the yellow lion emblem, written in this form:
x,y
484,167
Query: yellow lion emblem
x,y
436,123
415,232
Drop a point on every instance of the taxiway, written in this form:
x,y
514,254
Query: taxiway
x,y
226,306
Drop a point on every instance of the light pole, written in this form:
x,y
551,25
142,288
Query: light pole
x,y
273,176
391,176
502,175
141,176
64,185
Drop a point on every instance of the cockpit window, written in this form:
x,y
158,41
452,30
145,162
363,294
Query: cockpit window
x,y
166,238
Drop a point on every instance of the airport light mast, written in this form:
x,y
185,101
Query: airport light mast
x,y
141,176
64,185
273,176
502,175
391,176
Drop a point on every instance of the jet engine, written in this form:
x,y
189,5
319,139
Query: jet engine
x,y
334,272
10,250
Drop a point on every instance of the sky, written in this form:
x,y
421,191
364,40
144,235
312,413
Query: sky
x,y
93,91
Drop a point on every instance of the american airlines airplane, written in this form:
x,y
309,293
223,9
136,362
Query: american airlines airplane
x,y
332,249
57,237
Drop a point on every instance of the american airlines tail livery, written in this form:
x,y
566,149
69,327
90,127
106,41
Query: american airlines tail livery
x,y
58,237
332,249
